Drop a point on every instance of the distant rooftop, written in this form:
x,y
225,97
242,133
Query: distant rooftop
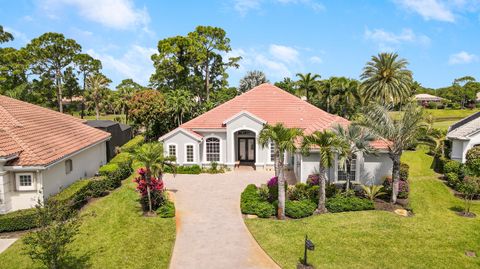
x,y
465,127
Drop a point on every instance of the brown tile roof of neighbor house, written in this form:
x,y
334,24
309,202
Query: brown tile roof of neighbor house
x,y
272,105
41,136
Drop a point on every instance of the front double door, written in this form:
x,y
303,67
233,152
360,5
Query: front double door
x,y
246,149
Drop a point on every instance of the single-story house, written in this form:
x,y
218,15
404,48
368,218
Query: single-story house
x,y
43,151
228,135
464,135
425,98
120,134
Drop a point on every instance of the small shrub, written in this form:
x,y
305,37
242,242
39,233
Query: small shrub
x,y
156,187
99,186
313,180
452,166
167,209
133,143
452,179
263,193
330,190
473,160
18,220
403,189
341,203
404,170
272,185
470,187
299,209
264,209
299,192
313,193
373,191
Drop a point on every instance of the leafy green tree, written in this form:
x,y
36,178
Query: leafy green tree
x,y
326,92
400,134
148,110
307,83
86,66
57,230
5,36
71,83
151,155
251,80
355,141
470,187
287,84
328,144
14,73
50,54
97,88
346,98
193,62
386,79
180,102
126,89
284,140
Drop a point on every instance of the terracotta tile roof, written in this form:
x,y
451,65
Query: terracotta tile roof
x,y
39,135
272,105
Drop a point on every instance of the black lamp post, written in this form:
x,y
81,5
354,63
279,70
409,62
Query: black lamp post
x,y
308,246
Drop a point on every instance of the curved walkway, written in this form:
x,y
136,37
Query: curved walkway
x,y
210,229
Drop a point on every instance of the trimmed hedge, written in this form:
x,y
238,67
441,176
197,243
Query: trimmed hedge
x,y
75,195
341,203
18,220
251,203
133,143
192,169
452,166
404,171
299,209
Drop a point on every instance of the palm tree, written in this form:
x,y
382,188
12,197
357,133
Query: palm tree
x,y
328,144
251,80
151,155
325,92
97,87
307,83
356,140
399,134
346,97
180,102
284,140
386,79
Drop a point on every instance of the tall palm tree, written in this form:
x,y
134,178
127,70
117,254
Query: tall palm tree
x,y
356,140
386,79
284,140
97,87
328,145
399,134
180,102
151,155
325,92
307,83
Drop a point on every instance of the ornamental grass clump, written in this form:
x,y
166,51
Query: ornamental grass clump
x,y
153,188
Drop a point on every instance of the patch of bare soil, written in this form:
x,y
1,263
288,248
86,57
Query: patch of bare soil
x,y
466,214
394,208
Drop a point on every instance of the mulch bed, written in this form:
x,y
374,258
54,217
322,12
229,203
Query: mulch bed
x,y
466,214
387,206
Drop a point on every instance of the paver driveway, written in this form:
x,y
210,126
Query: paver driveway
x,y
210,229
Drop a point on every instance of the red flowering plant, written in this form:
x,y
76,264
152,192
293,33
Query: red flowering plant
x,y
155,186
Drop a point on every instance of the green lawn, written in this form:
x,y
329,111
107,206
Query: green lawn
x,y
434,238
102,116
114,234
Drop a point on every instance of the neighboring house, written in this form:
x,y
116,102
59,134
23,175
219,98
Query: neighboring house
x,y
120,134
43,151
464,135
425,98
228,134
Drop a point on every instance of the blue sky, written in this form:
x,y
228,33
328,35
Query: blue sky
x,y
439,38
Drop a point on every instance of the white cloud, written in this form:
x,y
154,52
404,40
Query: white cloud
x,y
244,6
316,60
283,53
430,9
117,14
135,63
389,41
462,57
17,35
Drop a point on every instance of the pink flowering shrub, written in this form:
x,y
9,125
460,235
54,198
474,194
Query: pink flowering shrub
x,y
313,180
156,190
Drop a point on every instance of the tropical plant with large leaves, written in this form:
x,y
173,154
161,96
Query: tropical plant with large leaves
x,y
152,157
328,145
284,140
399,133
307,83
96,90
386,79
356,140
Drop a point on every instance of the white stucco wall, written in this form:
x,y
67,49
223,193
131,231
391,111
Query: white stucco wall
x,y
310,165
460,147
181,141
245,122
223,146
52,179
375,169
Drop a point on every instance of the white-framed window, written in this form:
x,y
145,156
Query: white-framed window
x,y
189,154
351,169
272,152
68,166
172,150
24,181
213,149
